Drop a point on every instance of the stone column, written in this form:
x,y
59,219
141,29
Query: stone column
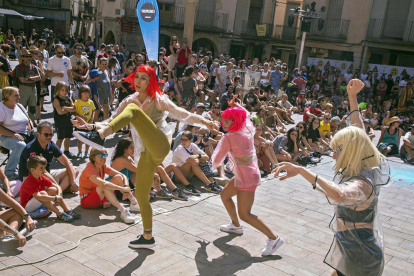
x,y
190,11
357,60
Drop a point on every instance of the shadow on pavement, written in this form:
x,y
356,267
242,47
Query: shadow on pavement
x,y
234,258
135,263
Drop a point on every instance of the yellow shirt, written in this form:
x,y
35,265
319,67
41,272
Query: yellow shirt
x,y
324,128
84,109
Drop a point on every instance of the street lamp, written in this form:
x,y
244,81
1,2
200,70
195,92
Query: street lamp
x,y
306,17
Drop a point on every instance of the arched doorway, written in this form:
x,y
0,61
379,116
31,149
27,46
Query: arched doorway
x,y
207,45
110,38
165,42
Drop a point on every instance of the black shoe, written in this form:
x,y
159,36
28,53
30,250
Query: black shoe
x,y
190,189
217,186
178,194
141,242
212,188
90,138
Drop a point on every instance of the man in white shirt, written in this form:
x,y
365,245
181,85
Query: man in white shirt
x,y
188,157
42,46
348,75
288,108
223,77
406,151
364,74
59,68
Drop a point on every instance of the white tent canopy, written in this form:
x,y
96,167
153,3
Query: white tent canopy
x,y
4,12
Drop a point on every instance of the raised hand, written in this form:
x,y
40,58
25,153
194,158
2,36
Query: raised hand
x,y
232,102
354,87
80,123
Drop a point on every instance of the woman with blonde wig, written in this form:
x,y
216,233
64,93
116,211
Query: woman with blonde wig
x,y
357,248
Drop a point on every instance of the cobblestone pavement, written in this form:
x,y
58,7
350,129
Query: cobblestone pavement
x,y
189,241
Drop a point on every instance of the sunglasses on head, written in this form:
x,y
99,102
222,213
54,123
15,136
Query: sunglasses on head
x,y
102,154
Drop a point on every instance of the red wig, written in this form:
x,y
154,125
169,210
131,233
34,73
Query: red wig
x,y
153,88
237,115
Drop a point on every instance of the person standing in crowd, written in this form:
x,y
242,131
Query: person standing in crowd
x,y
59,69
104,87
5,68
28,75
124,51
42,49
275,79
182,58
357,247
223,78
120,58
80,67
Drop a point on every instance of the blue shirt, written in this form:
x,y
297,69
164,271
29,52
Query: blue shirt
x,y
94,91
33,148
276,77
223,100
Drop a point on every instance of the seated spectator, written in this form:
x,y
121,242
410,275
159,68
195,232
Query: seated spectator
x,y
264,147
287,107
406,151
38,190
368,129
334,123
311,111
259,116
374,123
188,158
215,112
14,123
251,101
189,90
95,190
300,102
280,149
11,188
299,81
176,193
302,134
273,122
314,137
225,98
62,104
293,146
389,142
44,146
387,119
325,127
11,220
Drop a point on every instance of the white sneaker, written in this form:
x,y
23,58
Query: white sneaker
x,y
232,229
222,181
127,217
134,208
272,246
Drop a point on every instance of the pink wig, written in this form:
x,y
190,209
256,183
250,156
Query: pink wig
x,y
237,115
153,88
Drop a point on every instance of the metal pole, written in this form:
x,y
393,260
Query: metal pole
x,y
97,24
302,45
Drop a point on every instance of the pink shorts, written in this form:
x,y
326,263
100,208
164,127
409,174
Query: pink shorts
x,y
249,189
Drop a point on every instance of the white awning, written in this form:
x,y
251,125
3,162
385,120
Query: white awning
x,y
4,12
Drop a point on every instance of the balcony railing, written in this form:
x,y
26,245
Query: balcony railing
x,y
249,29
42,3
335,29
174,18
285,33
391,31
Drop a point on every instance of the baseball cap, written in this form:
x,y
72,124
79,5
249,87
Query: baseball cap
x,y
93,73
161,81
366,121
200,105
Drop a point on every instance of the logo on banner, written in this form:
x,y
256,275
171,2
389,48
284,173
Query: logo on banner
x,y
148,12
394,71
368,67
404,72
343,66
375,69
320,63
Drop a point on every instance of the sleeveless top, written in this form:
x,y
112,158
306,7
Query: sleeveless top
x,y
125,172
64,119
390,138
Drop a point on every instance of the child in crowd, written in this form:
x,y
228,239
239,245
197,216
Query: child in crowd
x,y
84,108
94,76
62,105
374,121
38,190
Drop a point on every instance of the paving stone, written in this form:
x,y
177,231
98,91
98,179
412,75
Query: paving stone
x,y
66,266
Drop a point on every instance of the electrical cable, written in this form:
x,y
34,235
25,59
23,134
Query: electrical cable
x,y
129,226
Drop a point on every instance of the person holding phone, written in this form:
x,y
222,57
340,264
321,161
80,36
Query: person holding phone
x,y
182,59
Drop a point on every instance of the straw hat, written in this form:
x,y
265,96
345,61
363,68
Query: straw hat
x,y
33,49
395,119
25,52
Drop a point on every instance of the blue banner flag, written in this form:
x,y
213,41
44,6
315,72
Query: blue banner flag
x,y
149,22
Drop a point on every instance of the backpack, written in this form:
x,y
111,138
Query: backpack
x,y
15,78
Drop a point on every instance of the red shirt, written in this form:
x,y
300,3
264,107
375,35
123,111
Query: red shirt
x,y
31,186
315,111
181,56
299,82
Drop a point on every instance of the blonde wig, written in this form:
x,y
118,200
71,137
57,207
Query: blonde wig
x,y
355,151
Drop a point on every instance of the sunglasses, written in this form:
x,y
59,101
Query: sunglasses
x,y
102,154
79,49
314,104
184,139
140,60
47,134
216,107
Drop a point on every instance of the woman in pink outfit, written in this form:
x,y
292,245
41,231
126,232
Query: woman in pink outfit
x,y
238,144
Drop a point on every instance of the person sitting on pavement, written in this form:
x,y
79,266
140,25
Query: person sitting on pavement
x,y
11,188
38,190
264,147
406,150
44,146
287,107
11,220
14,121
368,129
188,156
251,101
389,142
94,190
311,111
325,128
314,137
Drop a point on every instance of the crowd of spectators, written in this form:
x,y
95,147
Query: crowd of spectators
x,y
91,84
